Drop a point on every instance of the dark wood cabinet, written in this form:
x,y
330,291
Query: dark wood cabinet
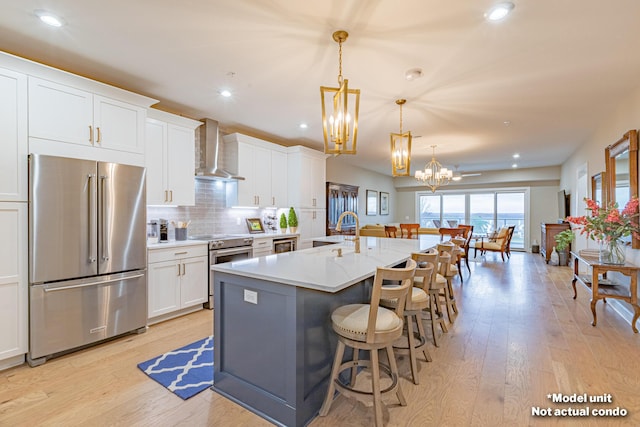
x,y
341,198
548,241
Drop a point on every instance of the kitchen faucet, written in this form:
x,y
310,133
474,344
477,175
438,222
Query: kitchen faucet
x,y
339,228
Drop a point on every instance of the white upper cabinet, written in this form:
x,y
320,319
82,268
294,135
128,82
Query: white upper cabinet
x,y
264,168
72,116
60,113
170,159
13,136
307,176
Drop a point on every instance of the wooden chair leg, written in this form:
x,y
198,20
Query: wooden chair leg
x,y
375,385
412,353
423,334
452,296
394,370
337,361
354,370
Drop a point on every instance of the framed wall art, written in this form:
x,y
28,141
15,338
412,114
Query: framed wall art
x,y
372,202
384,203
255,225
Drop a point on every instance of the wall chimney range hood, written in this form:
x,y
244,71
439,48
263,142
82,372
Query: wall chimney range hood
x,y
210,154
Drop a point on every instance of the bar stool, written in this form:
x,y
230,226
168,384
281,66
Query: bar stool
x,y
448,271
371,327
438,290
417,300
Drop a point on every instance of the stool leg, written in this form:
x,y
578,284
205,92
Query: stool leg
x,y
375,385
452,296
354,369
423,334
337,361
438,311
394,369
412,351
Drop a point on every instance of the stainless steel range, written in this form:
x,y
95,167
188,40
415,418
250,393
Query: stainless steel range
x,y
225,248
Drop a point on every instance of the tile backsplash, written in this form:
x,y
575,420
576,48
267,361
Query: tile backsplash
x,y
210,214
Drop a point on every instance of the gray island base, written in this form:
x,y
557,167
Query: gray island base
x,y
273,342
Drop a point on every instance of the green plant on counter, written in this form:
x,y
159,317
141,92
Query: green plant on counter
x,y
293,218
564,239
283,221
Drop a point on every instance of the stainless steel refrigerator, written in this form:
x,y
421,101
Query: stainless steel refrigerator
x,y
87,253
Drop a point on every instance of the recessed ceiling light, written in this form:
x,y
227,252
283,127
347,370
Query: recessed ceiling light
x,y
516,156
515,165
412,74
507,123
49,18
499,11
303,126
225,93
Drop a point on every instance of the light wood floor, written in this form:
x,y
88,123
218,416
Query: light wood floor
x,y
519,336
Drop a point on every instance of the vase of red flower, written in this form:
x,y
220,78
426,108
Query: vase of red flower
x,y
608,226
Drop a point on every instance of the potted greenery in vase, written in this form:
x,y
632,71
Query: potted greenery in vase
x,y
293,220
283,223
563,241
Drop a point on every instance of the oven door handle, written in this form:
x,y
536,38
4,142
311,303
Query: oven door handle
x,y
232,251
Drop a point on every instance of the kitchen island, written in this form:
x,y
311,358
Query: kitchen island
x,y
273,342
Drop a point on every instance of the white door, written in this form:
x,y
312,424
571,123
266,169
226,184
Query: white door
x,y
262,175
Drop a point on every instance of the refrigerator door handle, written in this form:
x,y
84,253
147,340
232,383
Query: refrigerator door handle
x,y
84,285
105,219
92,218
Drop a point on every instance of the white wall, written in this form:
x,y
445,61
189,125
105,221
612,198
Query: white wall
x,y
624,117
339,172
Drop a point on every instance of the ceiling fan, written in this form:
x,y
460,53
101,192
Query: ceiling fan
x,y
457,175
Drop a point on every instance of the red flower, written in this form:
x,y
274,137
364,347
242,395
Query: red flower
x,y
606,224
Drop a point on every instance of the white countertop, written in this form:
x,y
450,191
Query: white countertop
x,y
176,243
320,269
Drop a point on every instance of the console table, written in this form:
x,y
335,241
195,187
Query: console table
x,y
603,287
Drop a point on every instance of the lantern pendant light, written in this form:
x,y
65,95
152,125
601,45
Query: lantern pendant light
x,y
401,148
340,106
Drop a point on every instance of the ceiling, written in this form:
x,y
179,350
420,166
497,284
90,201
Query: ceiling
x,y
537,83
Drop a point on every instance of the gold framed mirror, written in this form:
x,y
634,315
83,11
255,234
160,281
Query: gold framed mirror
x,y
622,172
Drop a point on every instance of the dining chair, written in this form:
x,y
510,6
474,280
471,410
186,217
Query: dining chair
x,y
451,232
391,231
411,231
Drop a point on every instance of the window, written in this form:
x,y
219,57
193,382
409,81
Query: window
x,y
486,211
429,211
482,212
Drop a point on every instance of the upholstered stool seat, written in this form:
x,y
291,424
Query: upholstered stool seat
x,y
371,327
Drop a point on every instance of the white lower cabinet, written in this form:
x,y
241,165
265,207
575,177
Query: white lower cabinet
x,y
178,280
262,246
13,284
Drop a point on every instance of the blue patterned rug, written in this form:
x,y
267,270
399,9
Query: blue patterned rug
x,y
185,371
